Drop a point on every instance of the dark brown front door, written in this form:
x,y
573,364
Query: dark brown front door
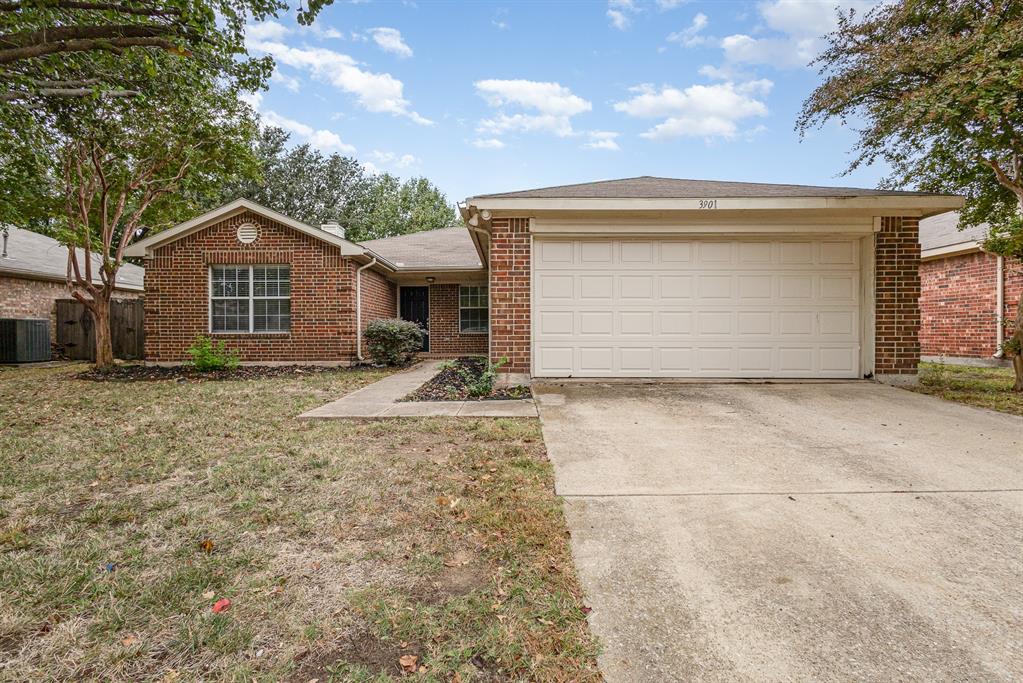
x,y
415,306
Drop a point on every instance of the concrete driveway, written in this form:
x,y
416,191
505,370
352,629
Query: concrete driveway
x,y
792,532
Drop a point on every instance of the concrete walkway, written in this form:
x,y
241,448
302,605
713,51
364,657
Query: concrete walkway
x,y
380,399
795,532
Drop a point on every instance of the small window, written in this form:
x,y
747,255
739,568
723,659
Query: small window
x,y
473,310
250,299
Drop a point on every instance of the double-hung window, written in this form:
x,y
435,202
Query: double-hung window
x,y
473,309
250,299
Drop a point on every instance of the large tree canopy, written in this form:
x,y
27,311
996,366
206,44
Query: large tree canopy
x,y
302,183
937,88
77,48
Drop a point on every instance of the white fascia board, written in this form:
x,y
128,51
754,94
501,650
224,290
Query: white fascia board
x,y
143,248
950,250
907,205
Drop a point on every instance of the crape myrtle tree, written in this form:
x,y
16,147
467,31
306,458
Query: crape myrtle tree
x,y
112,114
307,185
935,88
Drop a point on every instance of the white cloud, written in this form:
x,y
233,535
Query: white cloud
x,y
618,19
690,36
550,106
779,52
618,12
664,5
802,26
488,143
266,30
500,24
375,92
324,31
289,82
389,40
549,98
602,139
392,159
706,111
323,140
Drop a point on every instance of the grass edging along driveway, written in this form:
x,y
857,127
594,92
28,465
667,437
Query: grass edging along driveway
x,y
431,549
975,386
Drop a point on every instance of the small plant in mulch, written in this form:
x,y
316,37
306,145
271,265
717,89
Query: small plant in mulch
x,y
467,379
187,373
209,355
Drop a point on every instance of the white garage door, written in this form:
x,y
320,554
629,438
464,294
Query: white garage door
x,y
696,308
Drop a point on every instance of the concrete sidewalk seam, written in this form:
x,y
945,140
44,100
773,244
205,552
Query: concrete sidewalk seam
x,y
705,494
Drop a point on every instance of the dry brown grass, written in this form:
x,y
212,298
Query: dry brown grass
x,y
342,545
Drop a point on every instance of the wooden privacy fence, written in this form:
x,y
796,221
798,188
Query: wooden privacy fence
x,y
75,334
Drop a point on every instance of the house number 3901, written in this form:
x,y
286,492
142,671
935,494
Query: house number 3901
x,y
708,203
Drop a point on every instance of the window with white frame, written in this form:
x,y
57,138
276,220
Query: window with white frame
x,y
473,309
250,299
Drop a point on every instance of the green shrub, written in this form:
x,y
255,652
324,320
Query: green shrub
x,y
392,341
209,355
481,385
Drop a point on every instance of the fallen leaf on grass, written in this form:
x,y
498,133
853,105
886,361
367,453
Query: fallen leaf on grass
x,y
208,595
128,641
221,605
586,610
206,545
408,663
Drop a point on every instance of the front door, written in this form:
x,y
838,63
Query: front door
x,y
415,307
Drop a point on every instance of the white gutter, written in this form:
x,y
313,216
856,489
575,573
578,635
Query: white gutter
x,y
1000,310
358,307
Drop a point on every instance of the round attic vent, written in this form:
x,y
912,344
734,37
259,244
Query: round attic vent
x,y
247,233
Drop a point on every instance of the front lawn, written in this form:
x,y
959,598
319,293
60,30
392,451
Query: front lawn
x,y
430,549
984,387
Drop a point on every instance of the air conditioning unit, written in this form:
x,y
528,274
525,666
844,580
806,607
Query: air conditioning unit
x,y
24,340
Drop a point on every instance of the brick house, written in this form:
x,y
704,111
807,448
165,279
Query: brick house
x,y
965,293
33,275
641,277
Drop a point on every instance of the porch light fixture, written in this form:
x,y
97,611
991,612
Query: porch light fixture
x,y
430,279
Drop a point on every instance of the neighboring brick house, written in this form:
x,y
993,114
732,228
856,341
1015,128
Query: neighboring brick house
x,y
33,275
961,289
642,277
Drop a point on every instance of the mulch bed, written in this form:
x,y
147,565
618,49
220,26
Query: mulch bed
x,y
185,373
451,384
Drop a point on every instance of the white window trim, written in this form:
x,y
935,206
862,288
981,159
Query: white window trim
x,y
473,308
252,299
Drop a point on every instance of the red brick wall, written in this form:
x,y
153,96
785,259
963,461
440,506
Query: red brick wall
x,y
379,298
322,294
445,339
957,304
897,293
509,292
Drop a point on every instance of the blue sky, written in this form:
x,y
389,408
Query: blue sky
x,y
488,97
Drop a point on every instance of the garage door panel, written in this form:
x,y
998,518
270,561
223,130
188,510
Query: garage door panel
x,y
596,287
676,286
700,308
636,287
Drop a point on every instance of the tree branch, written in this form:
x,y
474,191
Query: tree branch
x,y
117,45
101,6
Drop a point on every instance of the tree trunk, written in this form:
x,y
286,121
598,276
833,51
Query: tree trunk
x,y
1017,337
104,342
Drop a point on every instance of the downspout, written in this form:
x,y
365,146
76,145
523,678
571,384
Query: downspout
x,y
358,308
1000,303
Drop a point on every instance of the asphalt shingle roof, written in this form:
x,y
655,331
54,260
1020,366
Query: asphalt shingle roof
x,y
943,231
443,248
649,187
33,255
